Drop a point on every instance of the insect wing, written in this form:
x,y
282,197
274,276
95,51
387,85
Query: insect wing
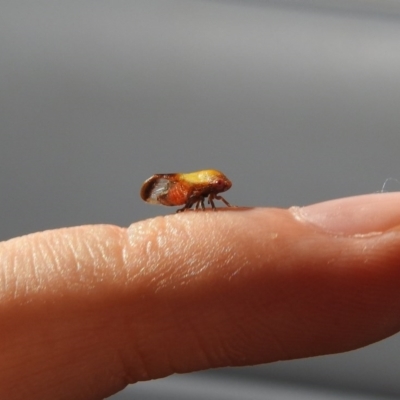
x,y
159,188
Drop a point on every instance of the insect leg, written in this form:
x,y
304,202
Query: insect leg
x,y
222,199
210,201
187,206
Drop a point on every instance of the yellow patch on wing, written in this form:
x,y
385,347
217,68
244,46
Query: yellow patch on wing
x,y
203,176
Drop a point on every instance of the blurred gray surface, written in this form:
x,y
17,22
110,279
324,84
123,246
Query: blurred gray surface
x,y
296,101
199,387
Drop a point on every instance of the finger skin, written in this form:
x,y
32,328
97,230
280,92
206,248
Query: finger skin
x,y
85,311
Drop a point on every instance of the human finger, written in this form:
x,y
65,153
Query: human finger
x,y
98,307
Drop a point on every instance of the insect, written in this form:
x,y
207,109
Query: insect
x,y
186,189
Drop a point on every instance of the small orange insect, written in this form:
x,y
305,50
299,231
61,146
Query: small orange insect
x,y
186,189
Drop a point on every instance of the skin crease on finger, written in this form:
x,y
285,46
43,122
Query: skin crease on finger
x,y
87,310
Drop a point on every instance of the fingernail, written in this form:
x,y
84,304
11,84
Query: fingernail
x,y
373,213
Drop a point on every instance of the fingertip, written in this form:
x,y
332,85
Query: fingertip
x,y
365,214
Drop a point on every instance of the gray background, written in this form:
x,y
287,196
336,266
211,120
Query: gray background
x,y
296,101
